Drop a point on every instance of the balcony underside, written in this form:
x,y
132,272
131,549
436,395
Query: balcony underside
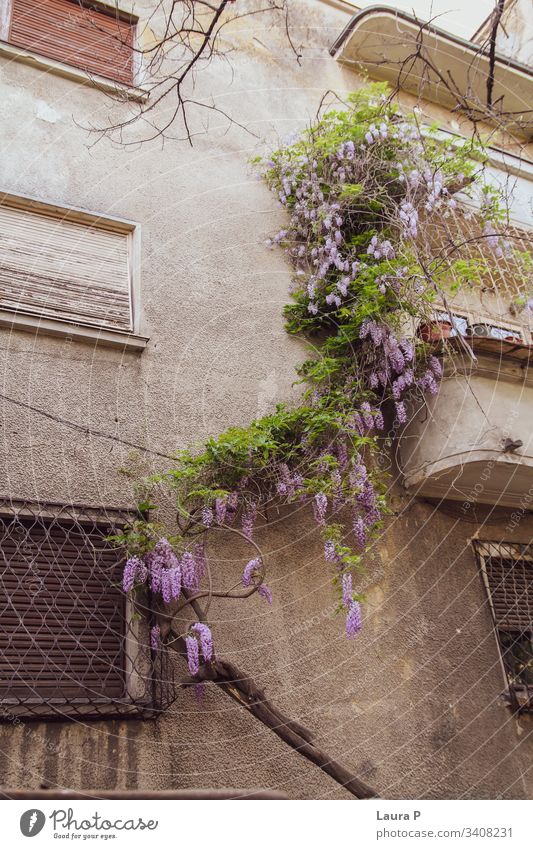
x,y
481,476
474,440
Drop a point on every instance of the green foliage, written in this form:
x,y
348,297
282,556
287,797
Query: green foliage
x,y
320,445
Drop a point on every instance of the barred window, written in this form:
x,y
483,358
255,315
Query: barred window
x,y
70,643
507,570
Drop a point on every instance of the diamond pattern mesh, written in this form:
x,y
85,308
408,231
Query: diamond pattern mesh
x,y
69,642
459,236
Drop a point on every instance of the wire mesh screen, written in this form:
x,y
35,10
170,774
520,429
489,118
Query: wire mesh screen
x,y
460,236
71,643
508,576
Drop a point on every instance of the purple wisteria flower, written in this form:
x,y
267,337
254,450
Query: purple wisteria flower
x,y
166,587
347,589
353,620
330,552
367,496
220,510
133,564
156,570
206,639
320,506
428,383
265,592
193,654
142,572
189,575
251,568
161,558
248,521
200,560
155,637
401,412
435,366
232,503
175,581
342,456
359,529
366,412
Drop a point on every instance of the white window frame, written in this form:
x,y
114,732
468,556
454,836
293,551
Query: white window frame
x,y
29,57
134,340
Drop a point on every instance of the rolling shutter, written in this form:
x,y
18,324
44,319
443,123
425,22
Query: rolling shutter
x,y
62,617
77,33
64,269
510,584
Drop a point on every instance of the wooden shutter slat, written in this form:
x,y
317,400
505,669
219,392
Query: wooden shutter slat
x,y
64,638
93,40
63,269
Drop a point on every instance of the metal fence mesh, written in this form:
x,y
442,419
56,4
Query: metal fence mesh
x,y
71,643
460,236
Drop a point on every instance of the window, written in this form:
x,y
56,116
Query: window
x,y
478,326
69,643
507,571
92,36
67,266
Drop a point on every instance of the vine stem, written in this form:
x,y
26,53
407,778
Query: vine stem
x,y
244,690
211,593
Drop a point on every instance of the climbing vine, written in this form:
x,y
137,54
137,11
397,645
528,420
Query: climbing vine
x,y
374,204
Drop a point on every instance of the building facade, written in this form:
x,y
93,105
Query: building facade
x,y
141,311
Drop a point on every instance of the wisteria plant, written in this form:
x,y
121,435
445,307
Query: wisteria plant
x,y
374,203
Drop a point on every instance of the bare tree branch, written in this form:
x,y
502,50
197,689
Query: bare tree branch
x,y
188,37
496,18
243,690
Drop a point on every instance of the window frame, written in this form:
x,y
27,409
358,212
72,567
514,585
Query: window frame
x,y
135,91
134,648
133,339
484,550
474,316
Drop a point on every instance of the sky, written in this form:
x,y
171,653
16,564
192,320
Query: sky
x,y
461,17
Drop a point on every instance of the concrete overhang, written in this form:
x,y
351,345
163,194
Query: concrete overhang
x,y
473,442
383,42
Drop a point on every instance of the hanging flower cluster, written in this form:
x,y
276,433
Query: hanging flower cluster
x,y
370,194
164,571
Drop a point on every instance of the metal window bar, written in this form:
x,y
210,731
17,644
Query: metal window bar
x,y
507,572
70,644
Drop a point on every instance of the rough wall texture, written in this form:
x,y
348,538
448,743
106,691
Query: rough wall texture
x,y
413,705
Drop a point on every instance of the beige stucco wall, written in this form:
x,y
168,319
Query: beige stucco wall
x,y
412,705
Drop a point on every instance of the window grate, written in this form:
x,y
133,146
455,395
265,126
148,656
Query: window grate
x,y
69,642
507,570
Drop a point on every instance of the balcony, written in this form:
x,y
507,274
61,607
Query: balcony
x,y
473,442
